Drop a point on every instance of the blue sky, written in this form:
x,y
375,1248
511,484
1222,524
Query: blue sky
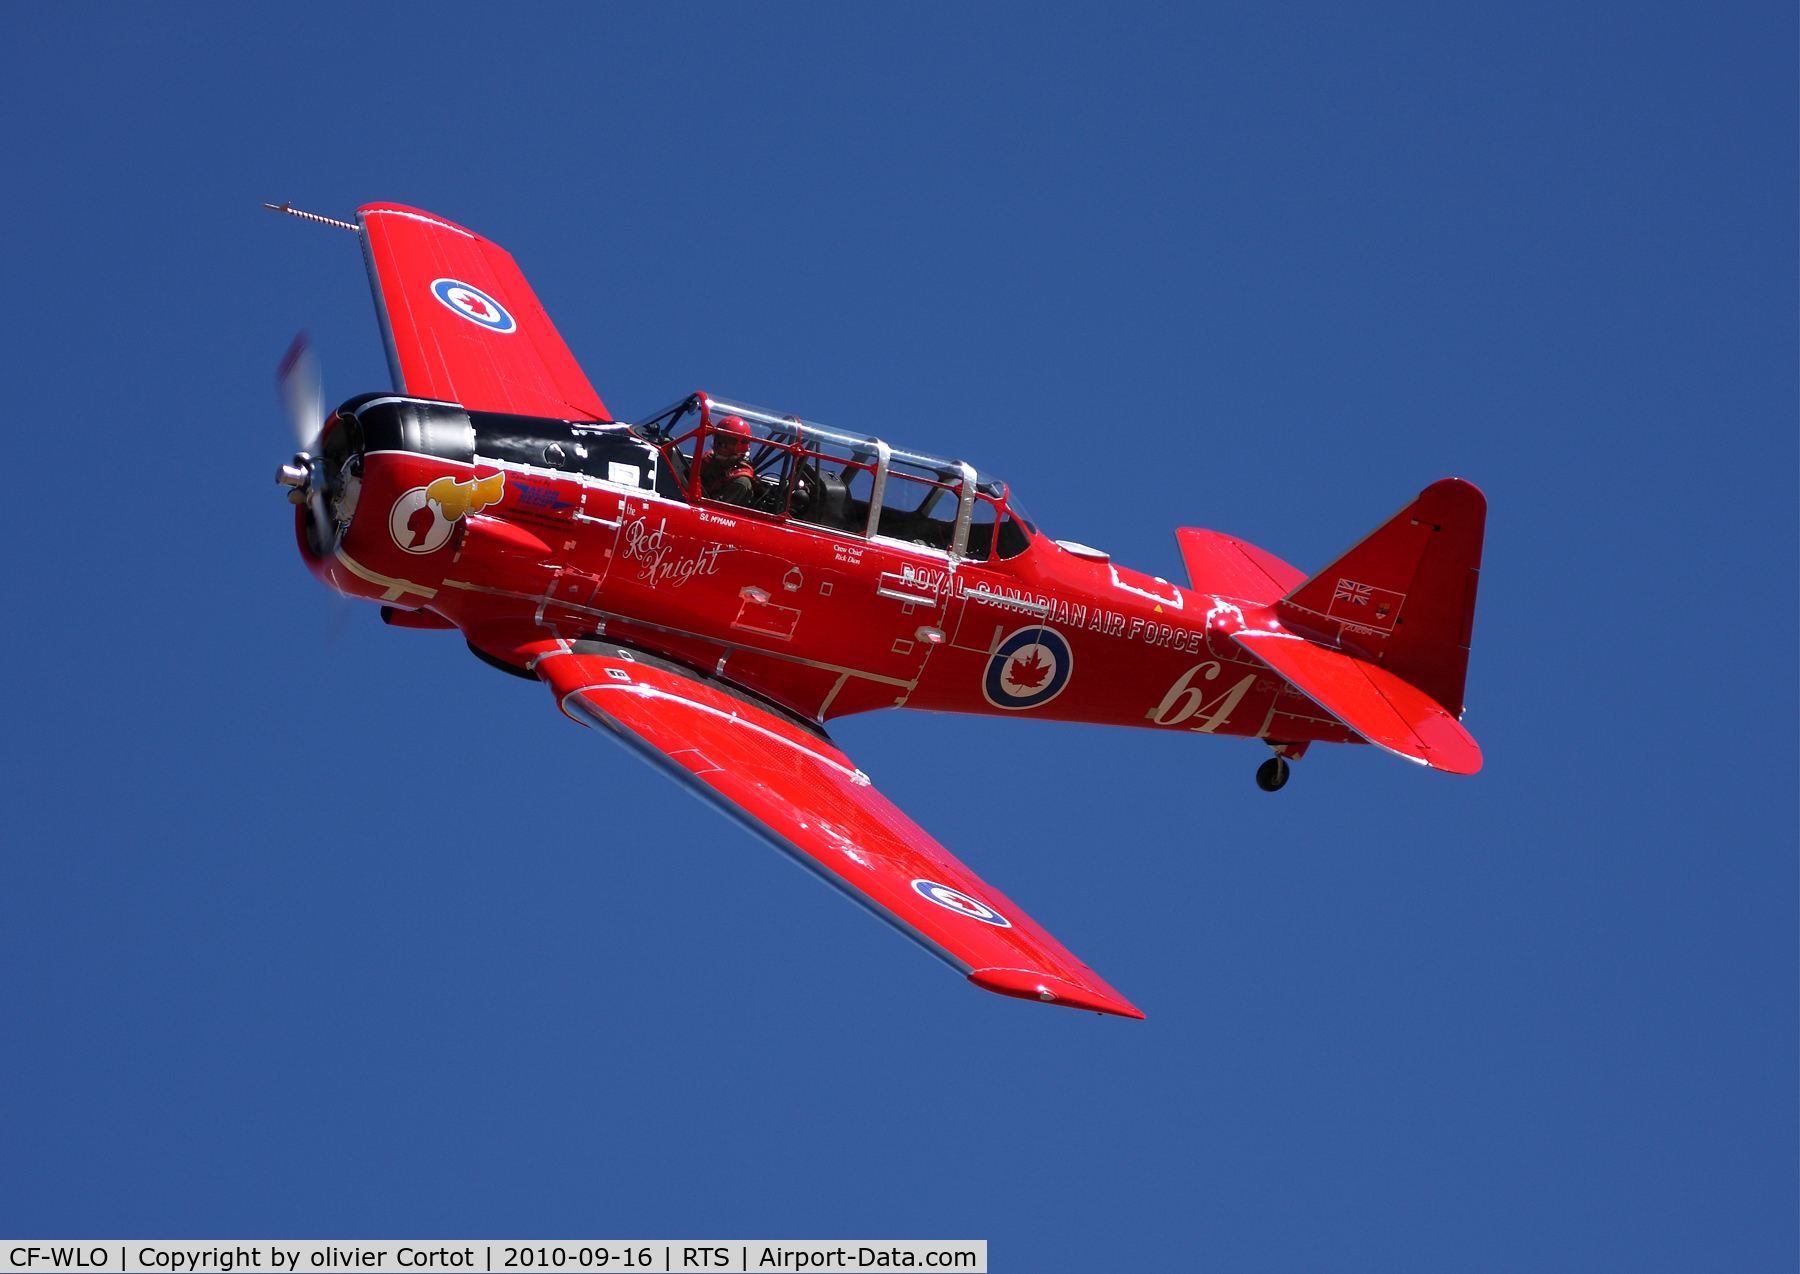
x,y
320,929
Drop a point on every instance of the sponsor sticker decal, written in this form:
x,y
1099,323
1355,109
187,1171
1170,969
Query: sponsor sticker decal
x,y
1029,668
956,900
540,499
422,519
473,304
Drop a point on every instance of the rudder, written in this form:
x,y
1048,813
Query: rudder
x,y
1404,596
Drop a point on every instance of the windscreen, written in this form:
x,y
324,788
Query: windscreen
x,y
721,451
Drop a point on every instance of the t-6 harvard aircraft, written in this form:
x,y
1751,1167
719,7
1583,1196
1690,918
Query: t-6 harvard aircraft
x,y
713,584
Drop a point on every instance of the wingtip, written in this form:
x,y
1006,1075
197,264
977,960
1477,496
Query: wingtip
x,y
1024,984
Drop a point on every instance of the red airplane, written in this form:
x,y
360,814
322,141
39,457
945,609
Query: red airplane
x,y
711,585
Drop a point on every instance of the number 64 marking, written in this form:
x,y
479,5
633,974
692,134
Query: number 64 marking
x,y
1185,699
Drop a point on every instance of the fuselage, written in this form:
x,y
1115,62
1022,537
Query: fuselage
x,y
512,528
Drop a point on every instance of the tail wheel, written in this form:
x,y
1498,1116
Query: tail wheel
x,y
1272,774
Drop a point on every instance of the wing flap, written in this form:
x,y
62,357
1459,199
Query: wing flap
x,y
794,789
1383,709
461,324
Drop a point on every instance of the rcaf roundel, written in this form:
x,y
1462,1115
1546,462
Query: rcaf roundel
x,y
959,902
1029,668
473,304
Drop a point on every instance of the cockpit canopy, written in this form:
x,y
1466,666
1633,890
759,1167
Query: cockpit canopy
x,y
792,468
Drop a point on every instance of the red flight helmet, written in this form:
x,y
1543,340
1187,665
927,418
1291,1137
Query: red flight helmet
x,y
733,425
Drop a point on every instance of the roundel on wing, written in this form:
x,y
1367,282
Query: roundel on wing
x,y
1029,667
959,902
473,304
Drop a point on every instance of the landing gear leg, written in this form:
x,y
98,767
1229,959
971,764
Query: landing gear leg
x,y
1272,774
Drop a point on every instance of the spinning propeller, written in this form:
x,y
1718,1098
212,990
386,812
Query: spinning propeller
x,y
302,391
303,399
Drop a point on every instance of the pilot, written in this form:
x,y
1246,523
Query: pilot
x,y
725,472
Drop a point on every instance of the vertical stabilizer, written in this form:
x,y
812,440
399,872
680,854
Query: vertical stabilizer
x,y
1404,597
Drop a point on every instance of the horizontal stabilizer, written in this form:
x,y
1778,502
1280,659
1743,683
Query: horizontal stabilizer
x,y
1370,700
1228,567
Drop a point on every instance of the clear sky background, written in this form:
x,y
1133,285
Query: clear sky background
x,y
314,928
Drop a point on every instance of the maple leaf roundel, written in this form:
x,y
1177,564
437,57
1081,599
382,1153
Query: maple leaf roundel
x,y
1029,667
468,301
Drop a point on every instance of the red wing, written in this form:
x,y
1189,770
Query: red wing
x,y
462,325
795,790
1372,701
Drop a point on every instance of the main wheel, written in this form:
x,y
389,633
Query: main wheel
x,y
1272,774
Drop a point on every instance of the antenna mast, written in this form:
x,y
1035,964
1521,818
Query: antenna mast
x,y
285,206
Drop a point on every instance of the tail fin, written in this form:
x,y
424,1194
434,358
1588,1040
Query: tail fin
x,y
1404,597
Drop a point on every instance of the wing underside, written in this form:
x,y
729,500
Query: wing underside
x,y
791,787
